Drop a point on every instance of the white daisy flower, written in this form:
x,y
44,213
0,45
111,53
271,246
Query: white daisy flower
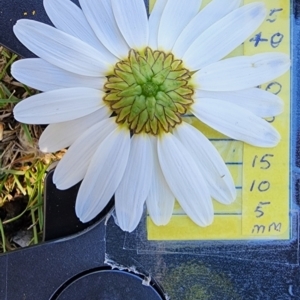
x,y
116,85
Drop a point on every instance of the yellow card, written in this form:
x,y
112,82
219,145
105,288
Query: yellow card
x,y
262,175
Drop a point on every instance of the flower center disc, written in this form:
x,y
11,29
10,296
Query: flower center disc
x,y
149,92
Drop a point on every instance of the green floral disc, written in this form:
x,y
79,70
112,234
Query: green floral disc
x,y
149,92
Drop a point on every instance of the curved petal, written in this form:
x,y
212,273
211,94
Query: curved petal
x,y
61,135
210,14
154,21
68,17
104,175
58,106
61,49
74,164
209,161
132,20
242,72
261,103
40,75
176,15
160,201
101,18
236,122
185,179
225,35
134,187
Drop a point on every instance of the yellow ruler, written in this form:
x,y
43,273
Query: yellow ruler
x,y
261,210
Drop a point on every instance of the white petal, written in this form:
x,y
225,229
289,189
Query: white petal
x,y
74,164
154,21
210,14
61,135
58,106
135,184
160,201
236,122
61,49
40,75
242,72
262,103
101,18
176,15
68,17
209,161
132,20
225,35
185,180
103,176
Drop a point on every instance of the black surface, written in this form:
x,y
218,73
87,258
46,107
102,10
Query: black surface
x,y
36,272
59,206
13,10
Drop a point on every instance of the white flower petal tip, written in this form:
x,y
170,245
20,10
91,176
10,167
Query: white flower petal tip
x,y
236,122
185,180
219,180
61,49
104,175
230,32
43,76
242,72
58,106
61,135
262,103
209,15
134,188
160,201
74,164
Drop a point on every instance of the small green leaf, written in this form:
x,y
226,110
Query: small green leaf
x,y
133,90
158,65
154,126
112,97
150,103
164,100
149,57
138,106
127,77
139,77
161,76
124,67
176,74
171,114
117,85
175,64
143,118
145,68
178,98
123,113
126,101
171,85
183,91
168,61
160,114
